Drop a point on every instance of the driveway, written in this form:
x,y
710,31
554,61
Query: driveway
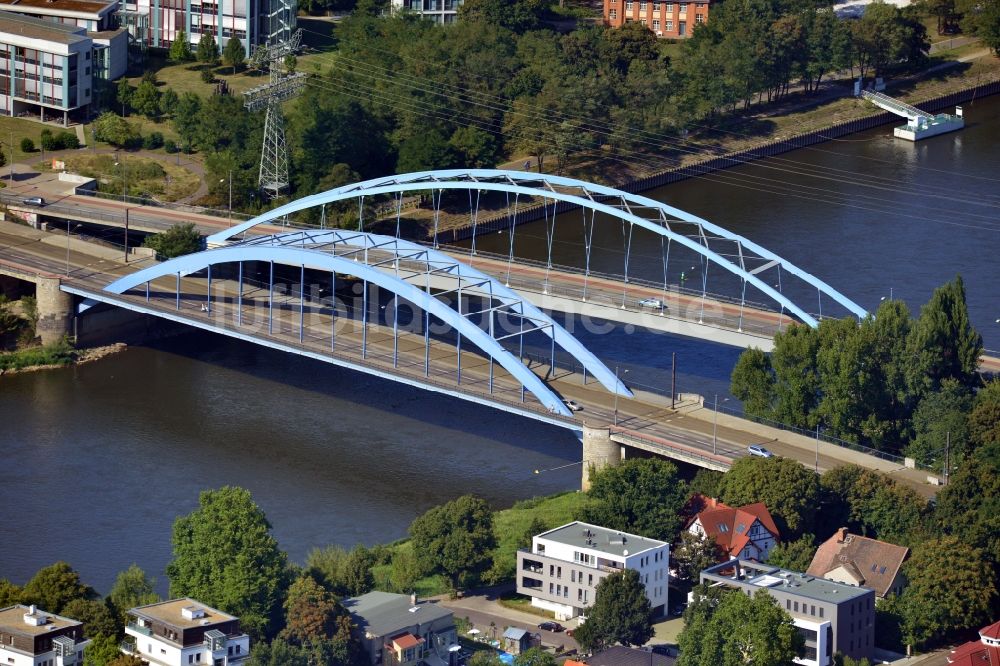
x,y
482,609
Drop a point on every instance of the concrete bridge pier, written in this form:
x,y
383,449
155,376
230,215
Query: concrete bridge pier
x,y
599,451
55,310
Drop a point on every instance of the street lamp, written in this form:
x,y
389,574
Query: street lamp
x,y
124,201
222,180
715,423
616,392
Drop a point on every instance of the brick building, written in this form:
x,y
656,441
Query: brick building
x,y
671,20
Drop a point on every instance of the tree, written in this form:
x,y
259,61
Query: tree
x,y
455,539
175,241
52,587
126,660
425,152
233,55
124,94
208,49
695,553
485,658
131,589
984,419
168,102
180,50
310,612
356,573
514,15
10,593
951,587
643,496
102,651
291,62
735,629
872,504
793,555
621,613
969,506
225,556
27,145
752,382
534,657
187,114
147,99
982,18
943,344
405,570
789,490
941,420
114,129
96,617
478,149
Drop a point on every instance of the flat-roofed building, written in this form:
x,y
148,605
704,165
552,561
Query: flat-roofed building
x,y
46,68
671,20
439,11
31,637
561,571
183,631
397,630
98,18
831,616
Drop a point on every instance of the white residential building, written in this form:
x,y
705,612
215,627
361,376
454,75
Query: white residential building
x,y
32,637
561,571
46,68
182,632
439,11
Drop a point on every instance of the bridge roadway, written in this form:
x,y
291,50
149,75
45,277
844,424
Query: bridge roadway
x,y
560,289
646,422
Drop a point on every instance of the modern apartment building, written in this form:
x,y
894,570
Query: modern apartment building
x,y
156,23
181,632
832,617
31,637
98,18
439,11
672,20
561,571
46,68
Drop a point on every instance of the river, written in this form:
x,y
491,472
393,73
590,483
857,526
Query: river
x,y
101,458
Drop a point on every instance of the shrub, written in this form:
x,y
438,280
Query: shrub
x,y
48,141
67,140
152,141
170,146
207,76
27,145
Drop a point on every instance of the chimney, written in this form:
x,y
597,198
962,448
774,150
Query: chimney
x,y
413,598
841,534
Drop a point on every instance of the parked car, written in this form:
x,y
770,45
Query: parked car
x,y
652,303
551,626
573,405
34,201
760,451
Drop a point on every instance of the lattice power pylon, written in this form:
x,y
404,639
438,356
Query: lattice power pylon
x,y
280,86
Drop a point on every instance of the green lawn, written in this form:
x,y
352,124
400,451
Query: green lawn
x,y
161,178
19,128
523,604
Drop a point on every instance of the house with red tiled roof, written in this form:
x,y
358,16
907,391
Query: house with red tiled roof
x,y
747,532
857,560
984,652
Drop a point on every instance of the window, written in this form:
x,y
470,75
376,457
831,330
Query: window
x,y
590,580
788,604
656,7
821,611
558,572
642,6
812,610
670,8
670,26
572,576
796,606
699,18
613,14
190,658
551,587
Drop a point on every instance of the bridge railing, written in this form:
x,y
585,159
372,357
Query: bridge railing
x,y
828,439
685,451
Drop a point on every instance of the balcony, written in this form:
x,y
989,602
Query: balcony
x,y
145,631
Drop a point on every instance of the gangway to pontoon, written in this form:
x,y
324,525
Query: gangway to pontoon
x,y
920,124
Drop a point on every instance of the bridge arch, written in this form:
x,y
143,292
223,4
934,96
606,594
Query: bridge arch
x,y
311,259
445,263
597,198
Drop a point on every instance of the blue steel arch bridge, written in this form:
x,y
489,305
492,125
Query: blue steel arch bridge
x,y
452,320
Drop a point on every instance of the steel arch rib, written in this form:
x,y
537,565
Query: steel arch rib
x,y
562,337
191,263
449,179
